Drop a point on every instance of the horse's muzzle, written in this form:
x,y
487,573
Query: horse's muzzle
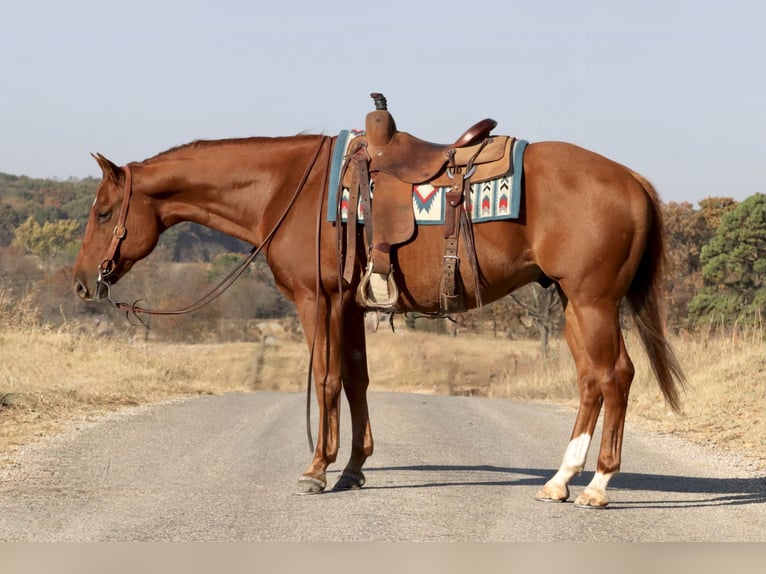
x,y
100,292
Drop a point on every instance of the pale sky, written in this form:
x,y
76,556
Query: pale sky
x,y
674,89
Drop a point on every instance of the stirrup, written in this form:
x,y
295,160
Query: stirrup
x,y
375,292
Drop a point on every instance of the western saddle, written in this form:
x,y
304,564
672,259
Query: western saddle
x,y
386,163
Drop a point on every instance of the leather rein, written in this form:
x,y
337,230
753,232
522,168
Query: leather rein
x,y
108,264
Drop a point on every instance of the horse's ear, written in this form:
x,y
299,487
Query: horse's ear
x,y
110,170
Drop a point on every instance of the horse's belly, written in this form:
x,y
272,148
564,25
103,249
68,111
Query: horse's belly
x,y
503,260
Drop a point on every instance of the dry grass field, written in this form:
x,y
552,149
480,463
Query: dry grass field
x,y
49,381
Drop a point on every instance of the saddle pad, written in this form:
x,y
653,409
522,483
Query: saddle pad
x,y
489,201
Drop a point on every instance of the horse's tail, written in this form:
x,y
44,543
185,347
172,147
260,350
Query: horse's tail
x,y
647,304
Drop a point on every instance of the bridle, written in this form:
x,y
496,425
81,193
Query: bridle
x,y
108,263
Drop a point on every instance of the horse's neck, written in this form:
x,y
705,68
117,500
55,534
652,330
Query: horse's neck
x,y
228,186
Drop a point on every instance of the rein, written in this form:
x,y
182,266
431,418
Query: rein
x,y
108,264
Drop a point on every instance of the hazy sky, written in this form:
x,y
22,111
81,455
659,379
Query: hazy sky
x,y
674,89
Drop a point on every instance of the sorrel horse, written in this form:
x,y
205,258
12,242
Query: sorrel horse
x,y
588,225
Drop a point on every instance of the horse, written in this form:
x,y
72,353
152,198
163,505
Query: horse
x,y
588,225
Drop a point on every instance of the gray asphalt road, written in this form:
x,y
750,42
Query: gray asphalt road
x,y
445,469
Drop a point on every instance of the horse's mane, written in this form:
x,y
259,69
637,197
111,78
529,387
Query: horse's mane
x,y
203,144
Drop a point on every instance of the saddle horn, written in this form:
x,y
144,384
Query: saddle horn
x,y
380,101
379,124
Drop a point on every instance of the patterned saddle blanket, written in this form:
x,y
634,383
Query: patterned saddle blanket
x,y
490,200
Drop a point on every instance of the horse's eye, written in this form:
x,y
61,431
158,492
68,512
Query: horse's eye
x,y
104,216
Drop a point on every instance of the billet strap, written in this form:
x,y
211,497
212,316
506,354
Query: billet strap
x,y
450,297
457,222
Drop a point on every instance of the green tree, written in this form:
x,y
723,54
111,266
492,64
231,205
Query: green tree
x,y
9,219
734,266
48,240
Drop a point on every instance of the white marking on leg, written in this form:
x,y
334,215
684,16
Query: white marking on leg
x,y
594,495
574,459
600,480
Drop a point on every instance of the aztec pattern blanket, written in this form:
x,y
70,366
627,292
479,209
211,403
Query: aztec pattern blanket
x,y
489,201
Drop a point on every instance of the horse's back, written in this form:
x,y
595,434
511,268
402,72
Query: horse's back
x,y
578,180
587,215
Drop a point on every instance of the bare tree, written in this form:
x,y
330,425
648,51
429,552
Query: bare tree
x,y
541,304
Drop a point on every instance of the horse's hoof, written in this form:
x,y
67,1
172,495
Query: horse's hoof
x,y
552,492
592,498
350,481
311,485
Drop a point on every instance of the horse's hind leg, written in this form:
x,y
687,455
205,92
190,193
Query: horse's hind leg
x,y
604,374
557,488
355,383
615,388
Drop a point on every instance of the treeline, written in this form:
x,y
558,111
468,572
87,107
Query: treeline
x,y
716,272
33,202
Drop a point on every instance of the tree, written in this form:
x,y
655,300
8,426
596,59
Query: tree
x,y
712,210
542,305
734,265
688,230
9,219
48,240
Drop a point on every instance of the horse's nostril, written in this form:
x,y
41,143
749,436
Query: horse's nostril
x,y
81,290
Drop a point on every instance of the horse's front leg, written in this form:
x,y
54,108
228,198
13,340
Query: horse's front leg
x,y
323,329
355,382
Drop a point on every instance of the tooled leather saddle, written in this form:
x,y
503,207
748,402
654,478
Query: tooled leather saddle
x,y
386,163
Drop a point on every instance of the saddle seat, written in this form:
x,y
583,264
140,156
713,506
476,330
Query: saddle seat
x,y
408,158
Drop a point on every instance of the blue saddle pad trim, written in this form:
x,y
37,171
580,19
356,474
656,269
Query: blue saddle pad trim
x,y
338,155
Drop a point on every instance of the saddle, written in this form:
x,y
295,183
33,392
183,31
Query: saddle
x,y
386,163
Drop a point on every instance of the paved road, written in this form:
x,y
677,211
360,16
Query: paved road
x,y
445,469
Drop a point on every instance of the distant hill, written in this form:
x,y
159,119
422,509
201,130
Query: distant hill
x,y
50,200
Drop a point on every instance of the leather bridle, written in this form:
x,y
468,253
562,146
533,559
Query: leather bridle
x,y
108,264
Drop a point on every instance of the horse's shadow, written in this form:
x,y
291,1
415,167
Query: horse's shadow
x,y
707,491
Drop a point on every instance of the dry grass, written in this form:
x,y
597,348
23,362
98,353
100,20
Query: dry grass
x,y
53,378
57,378
725,400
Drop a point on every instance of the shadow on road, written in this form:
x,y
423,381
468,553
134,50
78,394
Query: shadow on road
x,y
708,491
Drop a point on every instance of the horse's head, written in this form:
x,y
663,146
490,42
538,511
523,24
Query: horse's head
x,y
123,228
